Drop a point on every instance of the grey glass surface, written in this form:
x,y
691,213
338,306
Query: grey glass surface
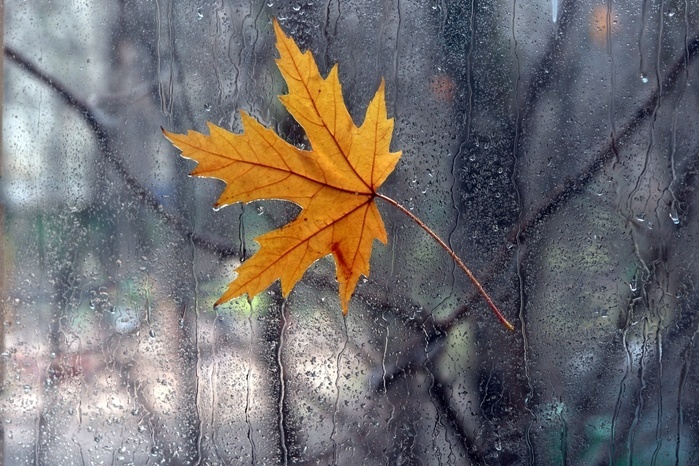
x,y
553,145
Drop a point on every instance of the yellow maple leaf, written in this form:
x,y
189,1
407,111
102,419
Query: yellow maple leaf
x,y
335,183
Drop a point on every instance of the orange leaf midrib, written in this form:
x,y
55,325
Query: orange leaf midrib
x,y
325,183
305,241
315,107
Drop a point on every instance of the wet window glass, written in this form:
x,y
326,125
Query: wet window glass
x,y
552,146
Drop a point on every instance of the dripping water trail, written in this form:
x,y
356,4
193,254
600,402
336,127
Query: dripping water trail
x,y
518,252
674,206
171,74
218,74
214,388
687,352
468,117
248,381
639,404
241,234
659,416
164,92
248,375
612,76
426,365
395,59
659,84
337,391
282,385
455,206
622,385
197,374
158,25
644,20
469,68
253,42
686,361
564,436
383,368
330,31
389,281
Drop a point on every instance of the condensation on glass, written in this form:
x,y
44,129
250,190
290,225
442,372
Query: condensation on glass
x,y
552,144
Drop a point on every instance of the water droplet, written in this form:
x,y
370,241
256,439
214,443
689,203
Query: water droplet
x,y
200,15
674,215
644,78
152,333
296,7
260,210
207,107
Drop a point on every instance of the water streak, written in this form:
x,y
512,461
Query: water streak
x,y
519,251
337,391
282,386
686,361
248,390
644,19
622,385
197,360
675,205
612,73
638,412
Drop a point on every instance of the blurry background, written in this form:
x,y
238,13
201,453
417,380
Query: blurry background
x,y
554,145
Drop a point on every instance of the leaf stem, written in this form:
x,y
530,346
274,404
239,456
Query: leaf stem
x,y
453,255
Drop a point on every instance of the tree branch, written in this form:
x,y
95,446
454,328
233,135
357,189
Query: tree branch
x,y
104,142
575,184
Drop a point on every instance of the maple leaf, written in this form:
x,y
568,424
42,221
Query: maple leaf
x,y
335,183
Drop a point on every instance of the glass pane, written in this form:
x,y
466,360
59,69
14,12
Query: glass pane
x,y
551,145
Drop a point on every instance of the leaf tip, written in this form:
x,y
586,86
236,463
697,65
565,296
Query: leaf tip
x,y
278,31
219,301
